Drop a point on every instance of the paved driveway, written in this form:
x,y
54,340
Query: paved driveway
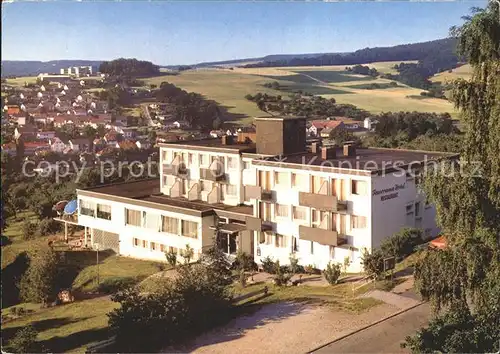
x,y
283,328
384,337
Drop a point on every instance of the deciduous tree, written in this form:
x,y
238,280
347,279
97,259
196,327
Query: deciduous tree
x,y
464,279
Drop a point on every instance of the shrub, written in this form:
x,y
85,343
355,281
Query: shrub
x,y
402,243
28,229
332,273
347,262
24,341
47,227
373,263
198,299
187,254
244,261
171,257
282,277
39,283
311,269
268,265
294,264
115,284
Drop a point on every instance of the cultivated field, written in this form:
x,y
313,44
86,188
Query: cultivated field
x,y
464,72
228,88
20,81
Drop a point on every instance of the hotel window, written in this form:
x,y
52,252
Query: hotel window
x,y
87,208
203,160
295,244
162,248
417,209
104,211
312,247
358,222
189,228
359,187
153,246
132,217
316,183
281,179
169,225
281,210
247,165
299,213
231,189
144,243
164,155
299,181
232,162
269,238
190,159
137,242
280,241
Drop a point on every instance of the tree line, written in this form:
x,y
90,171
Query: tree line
x,y
442,48
129,67
305,106
190,107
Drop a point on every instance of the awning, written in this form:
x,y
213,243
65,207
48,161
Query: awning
x,y
230,228
439,242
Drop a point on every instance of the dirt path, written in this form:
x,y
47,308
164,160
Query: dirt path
x,y
284,328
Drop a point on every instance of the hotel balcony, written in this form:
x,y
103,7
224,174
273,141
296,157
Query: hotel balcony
x,y
177,170
321,202
257,192
212,175
257,224
322,236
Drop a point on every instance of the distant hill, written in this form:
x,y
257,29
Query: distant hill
x,y
441,48
414,51
28,68
272,57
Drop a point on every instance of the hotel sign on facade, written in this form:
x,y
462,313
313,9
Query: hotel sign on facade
x,y
389,193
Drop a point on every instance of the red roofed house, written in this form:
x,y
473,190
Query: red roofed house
x,y
13,110
31,148
318,125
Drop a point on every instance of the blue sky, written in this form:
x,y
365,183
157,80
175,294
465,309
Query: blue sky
x,y
190,32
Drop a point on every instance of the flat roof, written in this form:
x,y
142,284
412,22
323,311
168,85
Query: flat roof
x,y
365,161
146,193
214,144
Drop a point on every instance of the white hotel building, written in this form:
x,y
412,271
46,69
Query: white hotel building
x,y
273,197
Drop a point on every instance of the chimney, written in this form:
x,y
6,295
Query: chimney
x,y
315,147
328,153
227,140
281,135
349,149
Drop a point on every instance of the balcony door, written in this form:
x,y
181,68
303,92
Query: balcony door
x,y
265,179
265,211
316,183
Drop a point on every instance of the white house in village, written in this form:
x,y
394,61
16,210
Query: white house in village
x,y
274,197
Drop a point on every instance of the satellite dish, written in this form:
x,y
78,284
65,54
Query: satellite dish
x,y
71,207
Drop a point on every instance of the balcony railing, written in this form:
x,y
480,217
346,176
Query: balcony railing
x,y
256,224
212,175
322,236
321,202
257,192
178,170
